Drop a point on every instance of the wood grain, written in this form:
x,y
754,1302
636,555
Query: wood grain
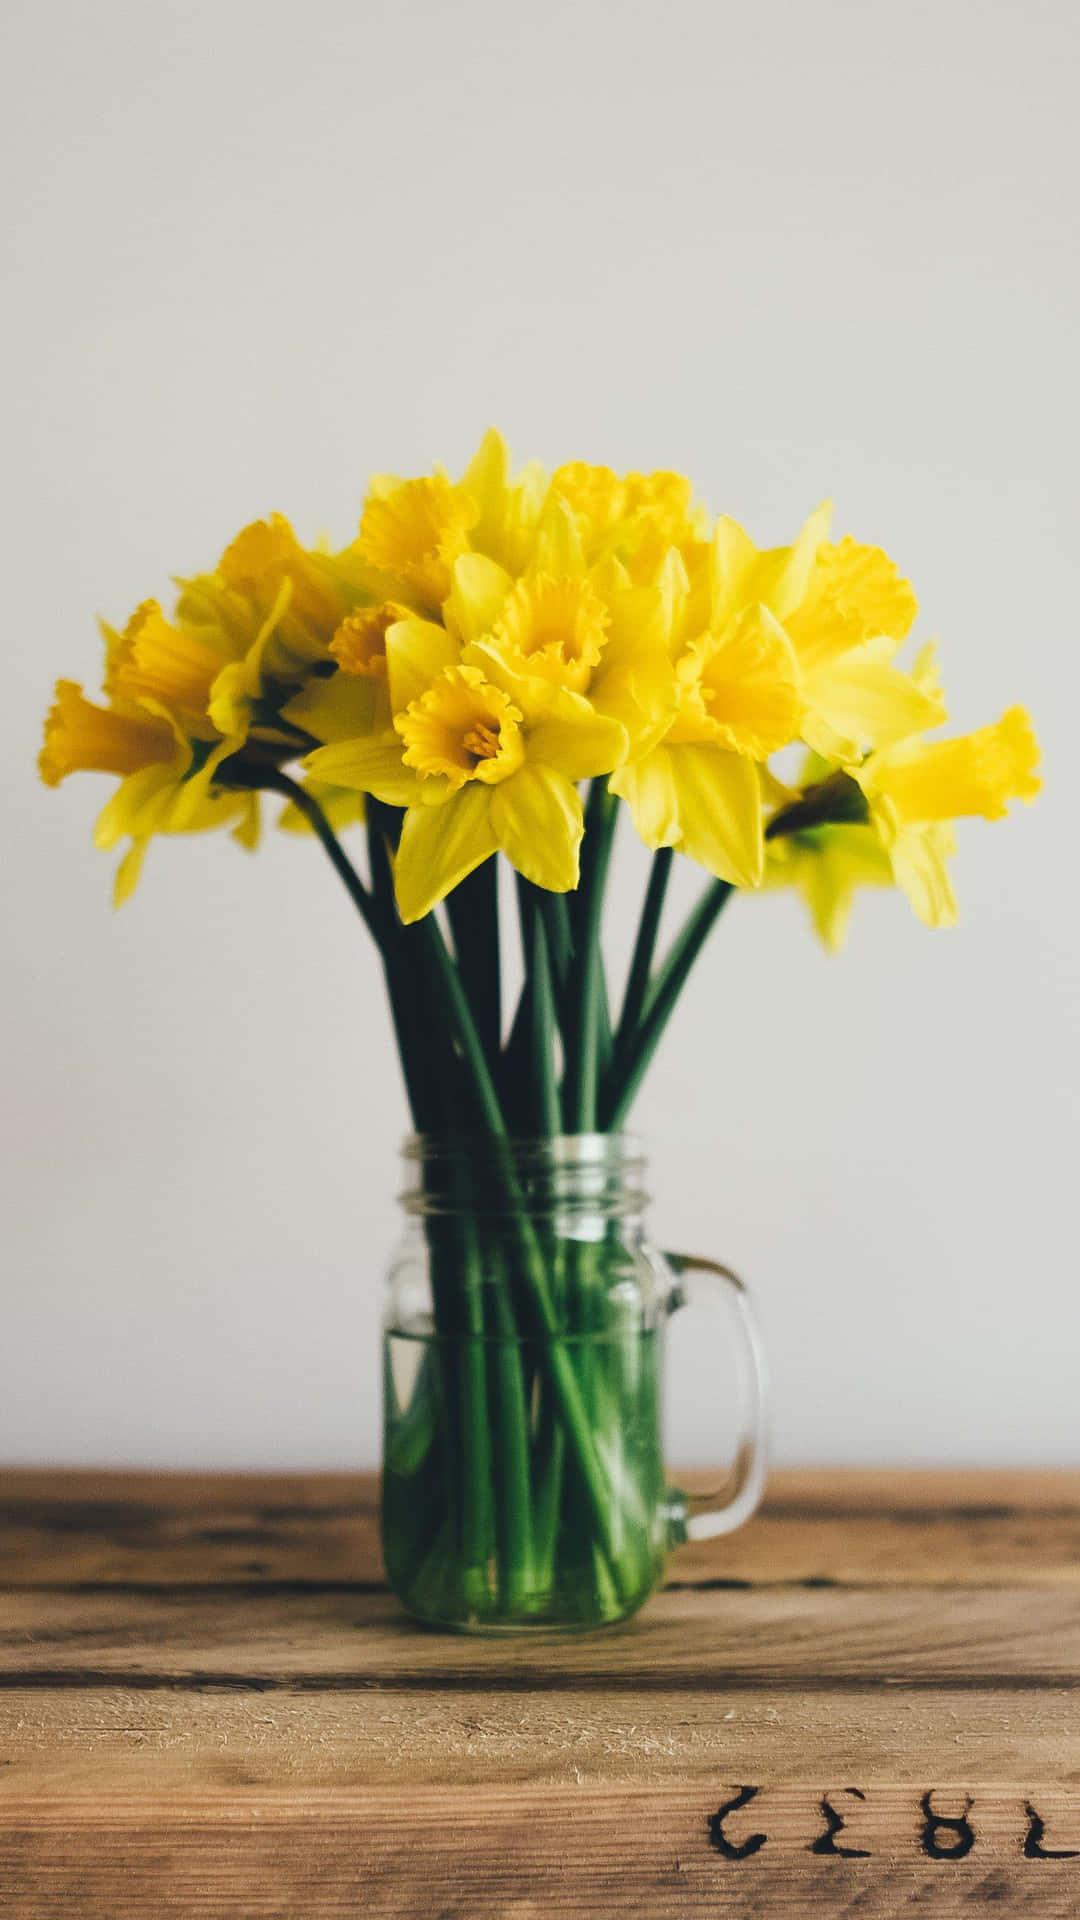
x,y
525,1853
868,1527
787,1637
113,1740
211,1706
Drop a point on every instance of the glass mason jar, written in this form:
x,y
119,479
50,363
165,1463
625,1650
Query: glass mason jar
x,y
523,1478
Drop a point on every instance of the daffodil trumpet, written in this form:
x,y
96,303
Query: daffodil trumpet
x,y
490,675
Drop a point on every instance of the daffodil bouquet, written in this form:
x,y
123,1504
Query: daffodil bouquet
x,y
496,668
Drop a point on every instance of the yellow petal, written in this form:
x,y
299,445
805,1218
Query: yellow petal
x,y
440,846
860,701
745,687
416,653
534,696
246,832
558,549
648,787
342,806
538,822
267,553
339,708
372,765
463,728
828,865
137,808
487,475
127,873
639,691
920,866
783,576
578,745
508,508
555,628
239,686
82,737
414,532
979,773
359,643
477,595
720,821
734,558
171,664
856,593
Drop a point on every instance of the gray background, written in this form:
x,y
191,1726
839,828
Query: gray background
x,y
258,251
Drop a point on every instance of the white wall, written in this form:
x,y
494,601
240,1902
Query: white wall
x,y
256,251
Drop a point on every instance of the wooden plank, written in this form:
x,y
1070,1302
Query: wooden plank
x,y
780,1636
210,1706
75,1528
656,1852
116,1741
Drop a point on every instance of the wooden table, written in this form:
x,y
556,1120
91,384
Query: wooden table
x,y
865,1702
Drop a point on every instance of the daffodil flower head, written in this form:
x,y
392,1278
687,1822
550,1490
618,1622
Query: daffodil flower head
x,y
159,659
412,531
83,738
462,728
554,628
265,557
828,865
913,792
359,645
635,517
487,643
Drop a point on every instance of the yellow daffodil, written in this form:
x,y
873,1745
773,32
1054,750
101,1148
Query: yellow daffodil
x,y
590,634
271,611
828,865
915,790
488,642
480,760
738,701
635,518
412,531
912,792
83,738
307,591
159,659
507,509
167,779
846,611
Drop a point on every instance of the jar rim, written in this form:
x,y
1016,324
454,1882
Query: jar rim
x,y
596,1173
559,1149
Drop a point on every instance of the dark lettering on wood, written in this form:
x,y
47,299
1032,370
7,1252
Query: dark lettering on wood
x,y
936,1823
731,1849
834,1824
1033,1840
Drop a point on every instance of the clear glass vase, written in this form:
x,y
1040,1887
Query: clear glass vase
x,y
523,1476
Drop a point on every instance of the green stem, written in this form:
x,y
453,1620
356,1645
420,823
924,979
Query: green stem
x,y
402,985
545,1116
837,799
586,977
447,980
637,984
444,977
306,804
661,1001
538,1291
473,912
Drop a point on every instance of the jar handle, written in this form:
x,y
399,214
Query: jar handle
x,y
701,1517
